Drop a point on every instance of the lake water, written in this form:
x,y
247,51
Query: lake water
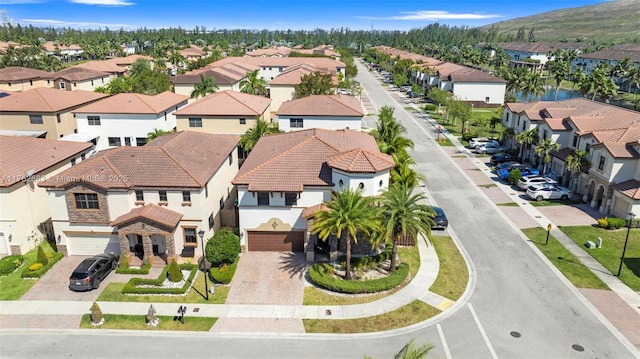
x,y
549,95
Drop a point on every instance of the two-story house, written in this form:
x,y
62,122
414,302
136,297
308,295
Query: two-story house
x,y
25,218
78,78
14,78
286,178
126,119
43,109
226,77
146,201
330,112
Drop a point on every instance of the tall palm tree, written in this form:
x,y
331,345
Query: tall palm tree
x,y
559,69
348,213
206,86
532,86
252,84
544,150
404,215
633,78
156,133
410,351
389,133
575,163
403,173
176,58
526,139
251,137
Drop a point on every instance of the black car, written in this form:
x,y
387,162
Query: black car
x,y
441,219
501,158
91,271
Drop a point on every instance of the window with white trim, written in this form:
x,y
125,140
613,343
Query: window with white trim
x,y
93,120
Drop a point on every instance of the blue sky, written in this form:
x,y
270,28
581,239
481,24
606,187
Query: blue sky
x,y
274,14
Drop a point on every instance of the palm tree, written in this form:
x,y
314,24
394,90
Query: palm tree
x,y
559,70
389,133
526,139
252,84
348,213
156,133
577,76
404,215
403,173
176,58
251,137
532,85
410,351
544,150
633,78
206,86
575,163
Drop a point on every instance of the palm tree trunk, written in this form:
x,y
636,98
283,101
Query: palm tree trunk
x,y
394,252
347,274
555,98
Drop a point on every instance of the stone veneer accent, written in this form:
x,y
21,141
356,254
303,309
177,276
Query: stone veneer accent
x,y
146,228
63,249
100,215
15,249
360,249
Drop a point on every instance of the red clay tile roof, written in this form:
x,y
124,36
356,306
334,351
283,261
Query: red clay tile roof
x,y
286,162
182,160
629,188
135,103
129,60
473,75
322,105
541,47
318,62
293,75
227,74
619,149
151,212
103,66
45,99
227,103
18,155
77,74
309,212
361,161
16,73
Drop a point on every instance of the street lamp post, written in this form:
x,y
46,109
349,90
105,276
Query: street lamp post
x,y
204,265
630,217
548,230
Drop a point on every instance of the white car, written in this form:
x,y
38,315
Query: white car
x,y
540,193
477,141
533,180
490,147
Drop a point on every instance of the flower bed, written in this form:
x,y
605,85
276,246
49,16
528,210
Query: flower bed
x,y
28,273
10,263
155,286
322,275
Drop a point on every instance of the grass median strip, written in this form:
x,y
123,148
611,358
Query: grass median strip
x,y
137,322
566,262
453,275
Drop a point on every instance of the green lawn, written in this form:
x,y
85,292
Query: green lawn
x,y
570,266
556,202
508,204
12,286
611,251
453,275
138,322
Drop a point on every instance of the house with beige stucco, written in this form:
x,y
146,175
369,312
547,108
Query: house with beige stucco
x,y
15,78
330,112
25,217
226,77
224,112
48,111
78,78
148,202
282,87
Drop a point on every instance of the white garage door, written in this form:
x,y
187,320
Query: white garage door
x,y
90,245
4,249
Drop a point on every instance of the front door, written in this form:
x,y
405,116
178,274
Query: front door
x,y
138,248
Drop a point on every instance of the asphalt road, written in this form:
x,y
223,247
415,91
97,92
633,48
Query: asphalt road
x,y
517,306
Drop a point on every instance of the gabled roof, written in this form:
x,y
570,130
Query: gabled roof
x,y
228,74
151,212
473,75
103,66
128,60
293,75
361,161
19,155
44,99
322,105
181,160
16,73
541,47
619,149
135,103
629,188
227,103
77,74
324,63
287,162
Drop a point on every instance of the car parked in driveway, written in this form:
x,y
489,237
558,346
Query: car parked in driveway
x,y
490,147
476,141
533,180
441,221
501,158
541,193
91,271
524,171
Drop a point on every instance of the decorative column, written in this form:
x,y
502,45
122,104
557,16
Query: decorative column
x,y
147,246
310,248
171,245
333,249
124,244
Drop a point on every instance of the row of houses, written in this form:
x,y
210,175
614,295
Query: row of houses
x,y
609,134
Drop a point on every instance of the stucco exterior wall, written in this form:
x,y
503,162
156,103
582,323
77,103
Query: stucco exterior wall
x,y
325,122
492,93
20,121
24,85
218,125
280,94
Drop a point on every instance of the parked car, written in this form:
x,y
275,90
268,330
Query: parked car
x,y
534,180
540,193
501,158
489,147
477,141
524,171
441,219
506,165
91,271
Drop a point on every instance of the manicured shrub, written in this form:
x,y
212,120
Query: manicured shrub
x,y
616,223
175,275
10,263
154,286
319,275
222,248
26,273
124,261
35,266
42,257
97,318
430,107
514,177
224,274
603,222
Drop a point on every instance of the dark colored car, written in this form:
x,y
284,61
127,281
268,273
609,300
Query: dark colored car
x,y
91,271
441,219
524,171
501,158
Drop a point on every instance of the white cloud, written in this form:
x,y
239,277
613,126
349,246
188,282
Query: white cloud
x,y
103,2
432,15
61,23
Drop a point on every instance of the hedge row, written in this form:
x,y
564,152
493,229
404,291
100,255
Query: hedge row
x,y
321,275
368,260
144,269
224,273
10,263
132,286
27,273
613,223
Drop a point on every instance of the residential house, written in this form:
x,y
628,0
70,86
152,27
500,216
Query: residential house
x,y
226,77
224,112
107,66
64,52
282,88
537,51
25,218
609,134
286,178
612,57
47,110
330,112
16,78
78,78
126,119
274,51
127,61
147,201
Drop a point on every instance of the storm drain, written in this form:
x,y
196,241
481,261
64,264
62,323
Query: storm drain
x,y
515,334
577,348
